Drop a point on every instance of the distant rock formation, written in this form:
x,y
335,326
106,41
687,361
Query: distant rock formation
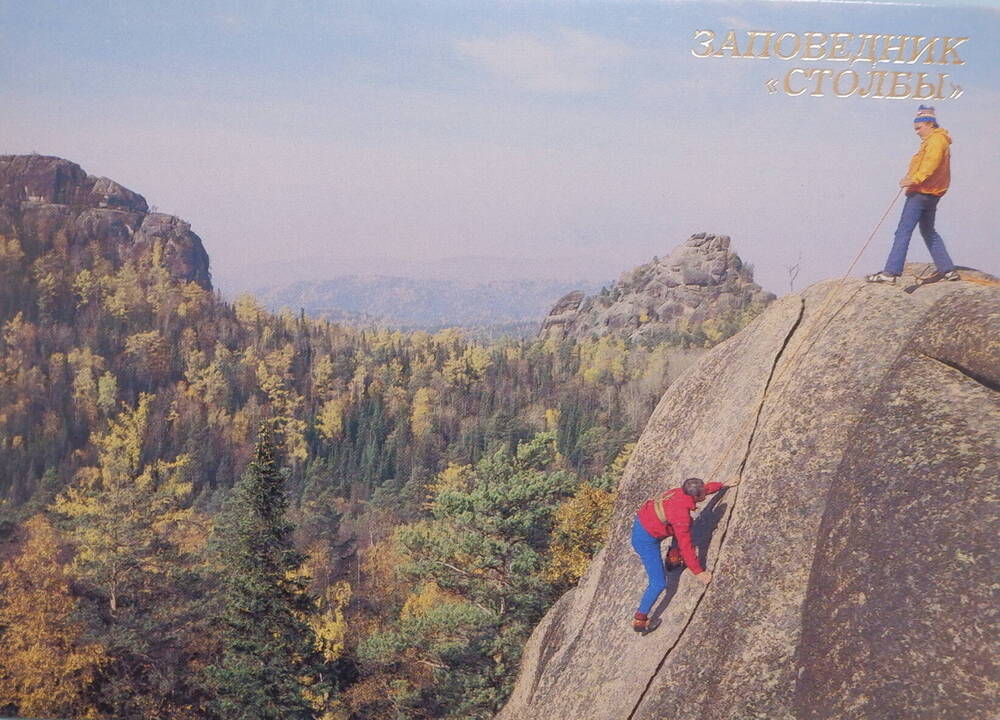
x,y
44,197
700,280
855,565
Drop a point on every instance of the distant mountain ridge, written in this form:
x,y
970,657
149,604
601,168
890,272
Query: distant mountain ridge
x,y
421,303
243,275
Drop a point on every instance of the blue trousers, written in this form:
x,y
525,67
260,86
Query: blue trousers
x,y
648,548
919,209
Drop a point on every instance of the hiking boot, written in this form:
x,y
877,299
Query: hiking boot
x,y
674,560
643,625
881,277
951,275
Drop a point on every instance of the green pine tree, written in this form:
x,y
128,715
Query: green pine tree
x,y
479,572
270,669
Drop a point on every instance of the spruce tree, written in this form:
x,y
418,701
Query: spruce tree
x,y
270,668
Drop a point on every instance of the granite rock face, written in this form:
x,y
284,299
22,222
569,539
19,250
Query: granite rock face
x,y
855,564
47,199
700,280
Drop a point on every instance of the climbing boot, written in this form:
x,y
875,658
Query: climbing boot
x,y
674,560
951,275
643,624
881,277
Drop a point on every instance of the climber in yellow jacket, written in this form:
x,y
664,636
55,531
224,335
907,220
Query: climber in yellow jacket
x,y
926,180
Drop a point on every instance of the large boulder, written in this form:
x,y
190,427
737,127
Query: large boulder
x,y
855,564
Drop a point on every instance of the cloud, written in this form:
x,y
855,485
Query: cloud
x,y
572,61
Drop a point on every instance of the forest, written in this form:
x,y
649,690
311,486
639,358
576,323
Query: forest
x,y
214,511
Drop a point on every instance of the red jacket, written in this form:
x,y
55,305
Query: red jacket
x,y
677,507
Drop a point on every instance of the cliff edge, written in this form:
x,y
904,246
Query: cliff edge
x,y
855,564
47,200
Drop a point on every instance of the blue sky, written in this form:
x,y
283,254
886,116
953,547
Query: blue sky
x,y
557,138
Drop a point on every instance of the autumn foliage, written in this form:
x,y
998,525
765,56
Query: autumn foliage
x,y
440,493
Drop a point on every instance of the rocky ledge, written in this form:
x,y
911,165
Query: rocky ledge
x,y
45,200
855,564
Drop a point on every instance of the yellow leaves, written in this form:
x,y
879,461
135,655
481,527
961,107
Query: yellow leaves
x,y
422,412
449,337
467,368
428,597
326,705
161,290
125,296
207,382
294,431
274,377
478,360
453,477
57,365
397,401
11,254
247,310
714,330
19,337
45,665
552,419
107,392
580,526
329,625
323,377
124,511
603,359
386,377
194,299
50,272
85,365
272,372
120,447
88,287
380,565
330,421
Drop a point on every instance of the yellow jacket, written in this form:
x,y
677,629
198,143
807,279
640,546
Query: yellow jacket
x,y
930,168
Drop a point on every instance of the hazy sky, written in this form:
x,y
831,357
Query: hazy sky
x,y
560,138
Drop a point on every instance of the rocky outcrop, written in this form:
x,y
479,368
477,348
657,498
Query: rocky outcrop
x,y
855,563
44,200
701,280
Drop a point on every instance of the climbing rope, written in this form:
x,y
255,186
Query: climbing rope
x,y
796,354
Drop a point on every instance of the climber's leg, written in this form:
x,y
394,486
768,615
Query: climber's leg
x,y
648,549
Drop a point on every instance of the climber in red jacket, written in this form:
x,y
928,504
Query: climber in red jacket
x,y
668,516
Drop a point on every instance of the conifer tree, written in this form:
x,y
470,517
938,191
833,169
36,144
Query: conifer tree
x,y
479,570
270,668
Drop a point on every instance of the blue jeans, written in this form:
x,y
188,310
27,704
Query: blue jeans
x,y
648,548
919,209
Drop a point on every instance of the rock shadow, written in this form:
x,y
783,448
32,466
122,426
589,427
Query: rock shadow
x,y
701,537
